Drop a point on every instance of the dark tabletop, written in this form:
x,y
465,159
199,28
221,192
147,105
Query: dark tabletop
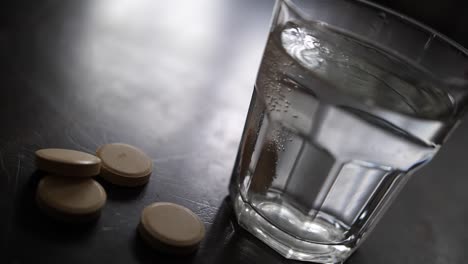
x,y
173,78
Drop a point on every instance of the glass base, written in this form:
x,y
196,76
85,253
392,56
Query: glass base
x,y
288,246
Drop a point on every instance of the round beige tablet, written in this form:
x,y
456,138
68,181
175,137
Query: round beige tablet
x,y
124,165
171,228
69,198
68,162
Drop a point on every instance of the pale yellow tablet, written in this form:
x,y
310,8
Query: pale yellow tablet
x,y
68,198
67,162
124,165
170,227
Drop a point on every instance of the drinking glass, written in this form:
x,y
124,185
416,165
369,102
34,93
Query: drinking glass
x,y
350,99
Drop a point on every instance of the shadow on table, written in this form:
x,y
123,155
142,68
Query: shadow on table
x,y
225,242
30,218
119,193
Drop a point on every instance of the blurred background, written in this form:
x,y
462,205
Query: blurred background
x,y
448,17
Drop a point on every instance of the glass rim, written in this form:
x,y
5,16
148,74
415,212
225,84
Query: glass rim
x,y
418,24
409,20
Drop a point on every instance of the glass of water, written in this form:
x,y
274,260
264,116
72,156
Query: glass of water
x,y
350,99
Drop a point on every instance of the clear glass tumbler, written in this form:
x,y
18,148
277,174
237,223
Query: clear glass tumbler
x,y
350,99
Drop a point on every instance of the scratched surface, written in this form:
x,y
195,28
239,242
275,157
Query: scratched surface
x,y
173,78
